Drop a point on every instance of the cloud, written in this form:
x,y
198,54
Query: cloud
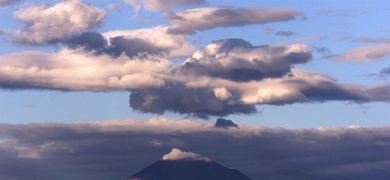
x,y
114,6
192,20
47,24
285,33
226,77
238,60
157,38
71,70
373,40
8,2
199,102
365,53
225,123
295,41
383,73
177,154
268,31
116,149
156,5
342,12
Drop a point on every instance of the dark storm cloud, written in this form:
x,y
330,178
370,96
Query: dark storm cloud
x,y
118,149
285,33
238,60
176,97
192,20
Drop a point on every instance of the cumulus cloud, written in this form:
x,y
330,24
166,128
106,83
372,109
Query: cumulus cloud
x,y
177,154
116,149
366,53
238,60
52,23
157,5
8,2
192,20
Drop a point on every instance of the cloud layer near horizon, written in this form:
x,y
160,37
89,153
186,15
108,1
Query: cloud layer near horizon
x,y
116,149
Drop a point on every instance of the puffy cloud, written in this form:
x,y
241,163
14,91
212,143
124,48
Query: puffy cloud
x,y
46,24
150,40
177,154
366,53
238,60
157,5
8,2
189,21
116,149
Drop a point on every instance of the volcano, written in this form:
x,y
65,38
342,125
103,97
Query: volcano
x,y
187,170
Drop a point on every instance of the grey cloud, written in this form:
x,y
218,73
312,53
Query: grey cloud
x,y
382,74
285,33
224,123
190,21
118,149
238,60
176,97
8,2
117,46
43,24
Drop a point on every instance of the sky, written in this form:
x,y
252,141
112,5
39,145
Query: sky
x,y
79,75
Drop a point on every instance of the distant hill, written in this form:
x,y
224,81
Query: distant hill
x,y
187,170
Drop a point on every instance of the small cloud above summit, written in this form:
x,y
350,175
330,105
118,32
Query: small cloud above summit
x,y
177,154
224,123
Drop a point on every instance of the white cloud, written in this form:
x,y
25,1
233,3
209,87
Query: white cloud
x,y
176,45
177,154
45,23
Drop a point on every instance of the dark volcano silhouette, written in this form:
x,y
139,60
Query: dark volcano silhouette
x,y
187,170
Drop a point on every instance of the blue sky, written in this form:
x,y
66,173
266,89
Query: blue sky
x,y
100,89
336,27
